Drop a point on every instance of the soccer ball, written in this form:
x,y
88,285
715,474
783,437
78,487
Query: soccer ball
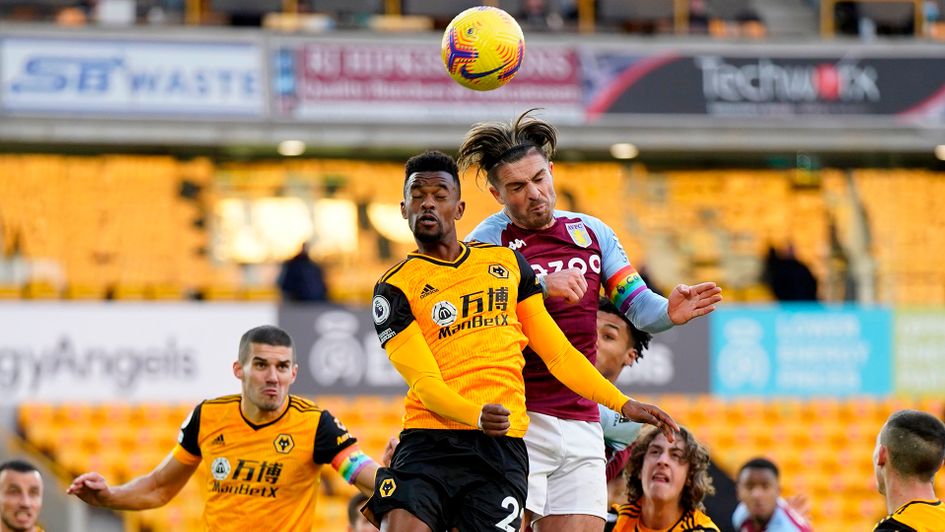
x,y
483,48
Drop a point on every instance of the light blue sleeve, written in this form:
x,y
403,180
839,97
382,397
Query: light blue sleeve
x,y
619,432
782,522
740,515
490,229
623,285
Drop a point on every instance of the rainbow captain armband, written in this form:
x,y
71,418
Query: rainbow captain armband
x,y
349,462
623,286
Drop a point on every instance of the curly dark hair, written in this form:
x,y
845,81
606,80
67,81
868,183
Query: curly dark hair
x,y
641,339
432,161
698,482
488,145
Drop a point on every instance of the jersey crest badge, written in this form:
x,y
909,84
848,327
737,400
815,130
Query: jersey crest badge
x,y
220,468
284,443
579,234
444,313
381,309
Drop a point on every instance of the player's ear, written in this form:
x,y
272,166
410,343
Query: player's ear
x,y
403,210
295,372
882,456
238,370
460,209
496,195
551,167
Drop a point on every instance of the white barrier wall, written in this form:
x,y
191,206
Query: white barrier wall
x,y
122,351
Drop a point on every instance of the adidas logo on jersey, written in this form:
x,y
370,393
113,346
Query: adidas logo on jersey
x,y
218,440
517,243
427,290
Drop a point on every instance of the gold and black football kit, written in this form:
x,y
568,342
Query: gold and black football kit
x,y
915,516
265,477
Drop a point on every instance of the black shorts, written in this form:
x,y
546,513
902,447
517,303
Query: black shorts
x,y
454,479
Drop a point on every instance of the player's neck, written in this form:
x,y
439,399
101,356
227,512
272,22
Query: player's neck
x,y
445,250
659,514
761,522
900,491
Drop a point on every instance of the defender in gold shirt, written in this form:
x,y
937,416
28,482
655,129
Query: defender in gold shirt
x,y
454,319
262,449
910,449
666,484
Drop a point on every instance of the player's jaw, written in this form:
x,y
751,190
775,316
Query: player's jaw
x,y
23,518
427,227
270,397
538,214
662,484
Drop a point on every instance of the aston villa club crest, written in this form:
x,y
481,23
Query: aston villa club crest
x,y
579,234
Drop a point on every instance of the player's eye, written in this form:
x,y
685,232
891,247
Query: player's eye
x,y
441,197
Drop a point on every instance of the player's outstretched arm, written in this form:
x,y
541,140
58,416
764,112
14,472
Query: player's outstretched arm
x,y
573,369
688,302
155,489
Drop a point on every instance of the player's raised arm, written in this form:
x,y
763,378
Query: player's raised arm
x,y
145,492
573,369
412,358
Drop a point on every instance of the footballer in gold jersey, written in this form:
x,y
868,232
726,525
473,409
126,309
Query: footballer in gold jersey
x,y
910,449
262,450
454,319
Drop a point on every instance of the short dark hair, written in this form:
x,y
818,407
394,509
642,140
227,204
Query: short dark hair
x,y
641,339
760,463
18,466
698,481
354,507
432,161
265,335
916,443
487,145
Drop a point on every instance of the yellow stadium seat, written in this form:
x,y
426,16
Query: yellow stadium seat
x,y
40,290
84,291
165,291
9,291
221,293
129,292
260,293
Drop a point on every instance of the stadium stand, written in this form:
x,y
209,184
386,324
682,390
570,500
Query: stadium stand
x,y
693,224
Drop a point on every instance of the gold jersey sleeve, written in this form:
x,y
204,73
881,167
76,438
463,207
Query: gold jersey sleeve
x,y
466,312
628,520
261,477
915,516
